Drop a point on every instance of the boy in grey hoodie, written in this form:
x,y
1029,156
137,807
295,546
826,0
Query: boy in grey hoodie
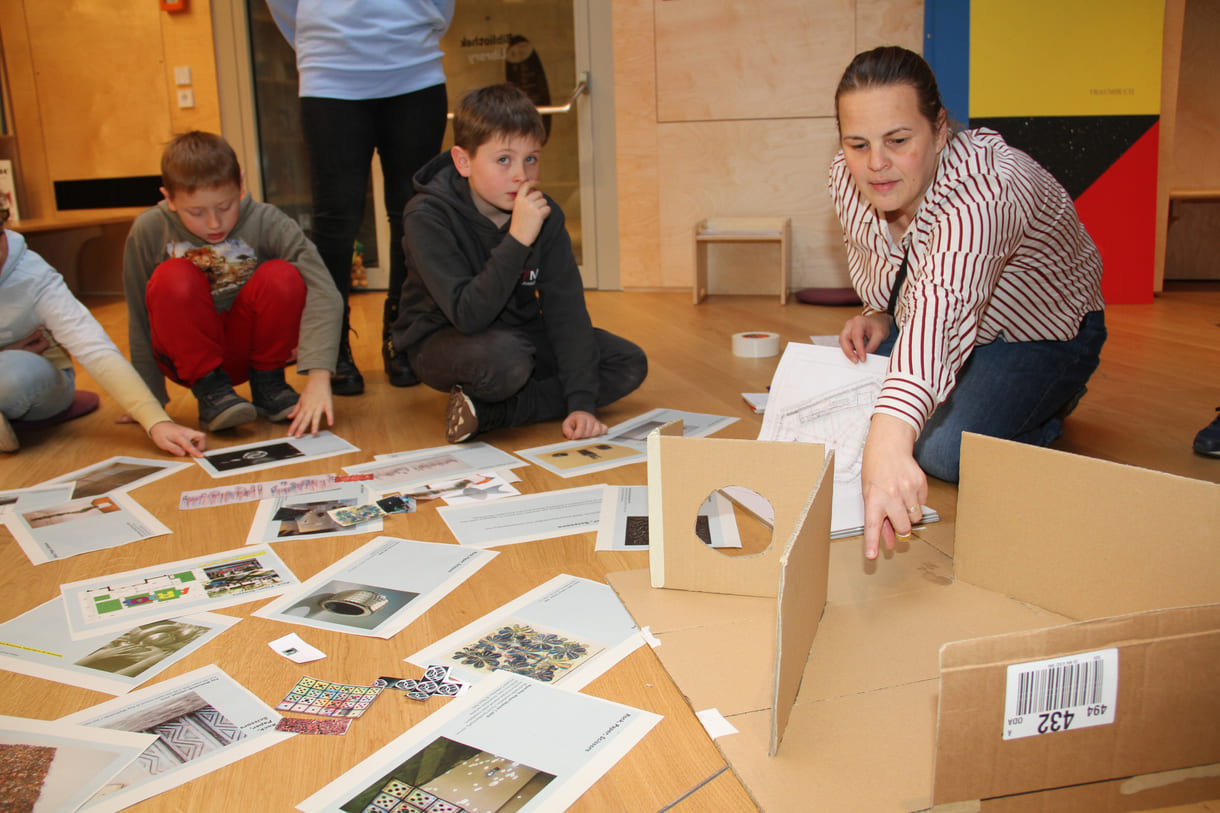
x,y
493,308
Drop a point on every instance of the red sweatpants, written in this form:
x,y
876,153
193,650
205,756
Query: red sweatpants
x,y
190,338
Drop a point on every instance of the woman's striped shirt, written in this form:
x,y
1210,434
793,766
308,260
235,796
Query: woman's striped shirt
x,y
995,250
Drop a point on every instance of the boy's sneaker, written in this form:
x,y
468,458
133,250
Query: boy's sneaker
x,y
466,417
272,396
220,407
1207,442
8,438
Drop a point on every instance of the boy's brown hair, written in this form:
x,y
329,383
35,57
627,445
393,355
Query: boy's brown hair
x,y
495,110
198,160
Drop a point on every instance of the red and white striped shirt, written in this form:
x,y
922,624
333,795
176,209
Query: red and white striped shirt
x,y
995,249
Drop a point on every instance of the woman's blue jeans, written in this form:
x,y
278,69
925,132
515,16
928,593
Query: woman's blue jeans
x,y
1018,391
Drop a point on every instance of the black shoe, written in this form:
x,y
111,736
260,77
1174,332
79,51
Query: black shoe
x,y
272,396
397,367
466,416
220,407
347,380
1207,442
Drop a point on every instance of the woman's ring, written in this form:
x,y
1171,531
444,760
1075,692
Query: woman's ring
x,y
911,508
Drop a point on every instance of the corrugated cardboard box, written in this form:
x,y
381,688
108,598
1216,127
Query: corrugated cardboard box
x,y
902,701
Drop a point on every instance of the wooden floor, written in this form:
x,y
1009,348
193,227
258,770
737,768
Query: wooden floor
x,y
1158,384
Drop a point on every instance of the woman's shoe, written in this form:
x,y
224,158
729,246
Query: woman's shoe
x,y
347,379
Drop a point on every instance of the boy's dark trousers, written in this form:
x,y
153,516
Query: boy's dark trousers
x,y
501,363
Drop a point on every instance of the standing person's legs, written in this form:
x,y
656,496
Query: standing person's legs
x,y
1018,391
339,137
410,130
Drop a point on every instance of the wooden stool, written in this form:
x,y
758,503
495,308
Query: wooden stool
x,y
743,230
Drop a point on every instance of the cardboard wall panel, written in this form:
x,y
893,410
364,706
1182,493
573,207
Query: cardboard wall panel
x,y
1015,502
687,470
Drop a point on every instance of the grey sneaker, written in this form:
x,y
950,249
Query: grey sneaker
x,y
461,419
272,396
8,438
220,407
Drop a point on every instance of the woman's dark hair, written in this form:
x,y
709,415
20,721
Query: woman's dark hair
x,y
894,65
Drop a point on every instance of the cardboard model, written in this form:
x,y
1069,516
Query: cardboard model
x,y
900,704
682,472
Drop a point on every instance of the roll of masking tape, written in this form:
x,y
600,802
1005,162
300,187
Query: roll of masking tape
x,y
756,344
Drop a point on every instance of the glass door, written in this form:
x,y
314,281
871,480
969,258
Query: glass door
x,y
543,46
533,46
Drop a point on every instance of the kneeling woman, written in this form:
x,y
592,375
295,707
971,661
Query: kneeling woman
x,y
977,277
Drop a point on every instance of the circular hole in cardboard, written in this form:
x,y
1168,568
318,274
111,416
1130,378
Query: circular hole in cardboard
x,y
735,521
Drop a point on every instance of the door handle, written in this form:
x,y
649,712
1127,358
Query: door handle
x,y
582,86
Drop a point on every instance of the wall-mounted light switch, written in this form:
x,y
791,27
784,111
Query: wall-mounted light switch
x,y
186,98
182,75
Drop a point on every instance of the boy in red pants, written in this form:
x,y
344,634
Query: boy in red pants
x,y
221,289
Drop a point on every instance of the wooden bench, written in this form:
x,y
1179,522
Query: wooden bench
x,y
743,230
60,238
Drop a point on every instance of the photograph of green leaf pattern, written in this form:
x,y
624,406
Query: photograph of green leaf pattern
x,y
525,649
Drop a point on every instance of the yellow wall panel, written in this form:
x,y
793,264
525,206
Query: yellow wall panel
x,y
1051,58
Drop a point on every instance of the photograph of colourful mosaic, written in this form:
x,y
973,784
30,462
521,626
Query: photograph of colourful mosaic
x,y
527,650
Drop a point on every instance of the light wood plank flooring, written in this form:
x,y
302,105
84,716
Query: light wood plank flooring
x,y
1159,383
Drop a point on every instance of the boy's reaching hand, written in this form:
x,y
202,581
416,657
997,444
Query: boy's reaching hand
x,y
581,424
315,403
530,211
177,440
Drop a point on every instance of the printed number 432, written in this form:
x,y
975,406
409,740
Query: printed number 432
x,y
1055,721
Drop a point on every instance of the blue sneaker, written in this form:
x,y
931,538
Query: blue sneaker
x,y
1207,442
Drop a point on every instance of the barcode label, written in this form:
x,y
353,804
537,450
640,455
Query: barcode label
x,y
1063,694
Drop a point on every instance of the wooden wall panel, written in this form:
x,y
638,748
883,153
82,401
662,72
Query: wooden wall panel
x,y
1196,163
1189,166
187,40
766,153
1194,233
764,168
102,95
636,144
723,59
92,88
888,22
